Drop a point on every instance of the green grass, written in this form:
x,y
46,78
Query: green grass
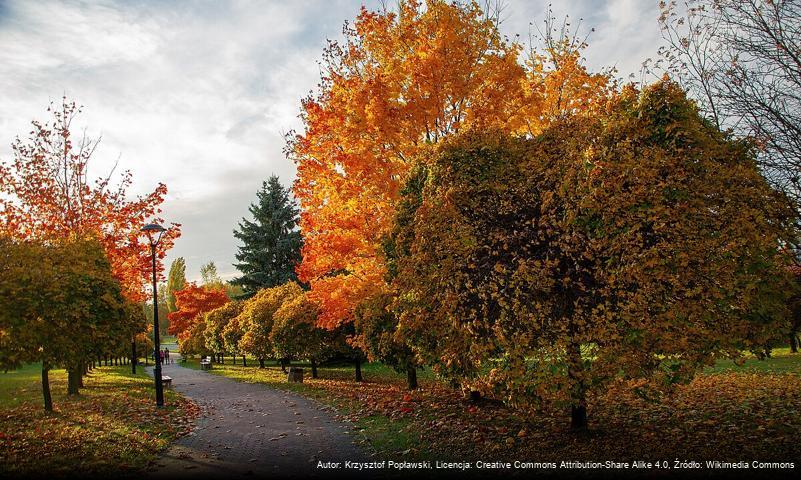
x,y
780,361
25,384
113,425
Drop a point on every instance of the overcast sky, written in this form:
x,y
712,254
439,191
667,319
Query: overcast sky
x,y
199,94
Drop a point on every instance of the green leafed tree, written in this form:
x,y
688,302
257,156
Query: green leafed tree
x,y
295,333
271,242
176,280
257,318
209,275
60,306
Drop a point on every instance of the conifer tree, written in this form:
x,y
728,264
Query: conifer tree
x,y
271,241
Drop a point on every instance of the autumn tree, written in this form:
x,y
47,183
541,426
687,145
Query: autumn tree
x,y
192,303
271,242
257,319
295,333
400,82
216,321
642,243
60,305
47,194
232,334
376,326
193,341
740,60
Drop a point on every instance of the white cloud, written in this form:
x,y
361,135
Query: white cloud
x,y
198,94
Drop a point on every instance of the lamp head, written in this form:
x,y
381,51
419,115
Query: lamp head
x,y
153,230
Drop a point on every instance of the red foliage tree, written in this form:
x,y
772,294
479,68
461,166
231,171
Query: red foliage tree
x,y
192,302
46,194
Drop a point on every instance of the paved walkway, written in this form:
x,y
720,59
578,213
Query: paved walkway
x,y
250,429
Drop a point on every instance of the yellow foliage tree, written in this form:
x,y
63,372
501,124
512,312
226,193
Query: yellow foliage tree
x,y
400,82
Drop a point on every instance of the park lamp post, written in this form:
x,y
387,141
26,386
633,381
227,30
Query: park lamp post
x,y
154,232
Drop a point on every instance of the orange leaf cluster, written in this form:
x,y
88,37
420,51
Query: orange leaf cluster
x,y
191,303
399,83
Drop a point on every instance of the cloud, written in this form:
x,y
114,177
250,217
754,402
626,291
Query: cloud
x,y
198,94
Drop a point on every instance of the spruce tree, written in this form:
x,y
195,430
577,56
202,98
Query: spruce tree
x,y
271,242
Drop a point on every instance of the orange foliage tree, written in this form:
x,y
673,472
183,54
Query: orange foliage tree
x,y
400,82
191,303
46,194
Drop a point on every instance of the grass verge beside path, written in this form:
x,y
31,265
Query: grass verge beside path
x,y
729,412
112,427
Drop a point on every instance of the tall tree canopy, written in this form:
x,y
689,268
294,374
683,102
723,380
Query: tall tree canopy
x,y
400,82
193,302
209,275
176,280
46,194
271,242
642,243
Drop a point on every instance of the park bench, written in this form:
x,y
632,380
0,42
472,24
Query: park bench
x,y
166,381
205,363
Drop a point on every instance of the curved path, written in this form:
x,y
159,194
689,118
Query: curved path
x,y
250,429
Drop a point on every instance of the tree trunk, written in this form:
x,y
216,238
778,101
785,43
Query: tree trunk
x,y
411,378
359,370
261,362
48,400
578,409
793,342
133,357
314,368
578,417
244,361
73,374
283,365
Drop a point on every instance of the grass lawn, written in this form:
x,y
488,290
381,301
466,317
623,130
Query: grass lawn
x,y
748,412
781,361
112,426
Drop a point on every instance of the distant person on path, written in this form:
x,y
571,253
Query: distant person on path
x,y
167,355
161,357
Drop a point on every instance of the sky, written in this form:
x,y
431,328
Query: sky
x,y
199,94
